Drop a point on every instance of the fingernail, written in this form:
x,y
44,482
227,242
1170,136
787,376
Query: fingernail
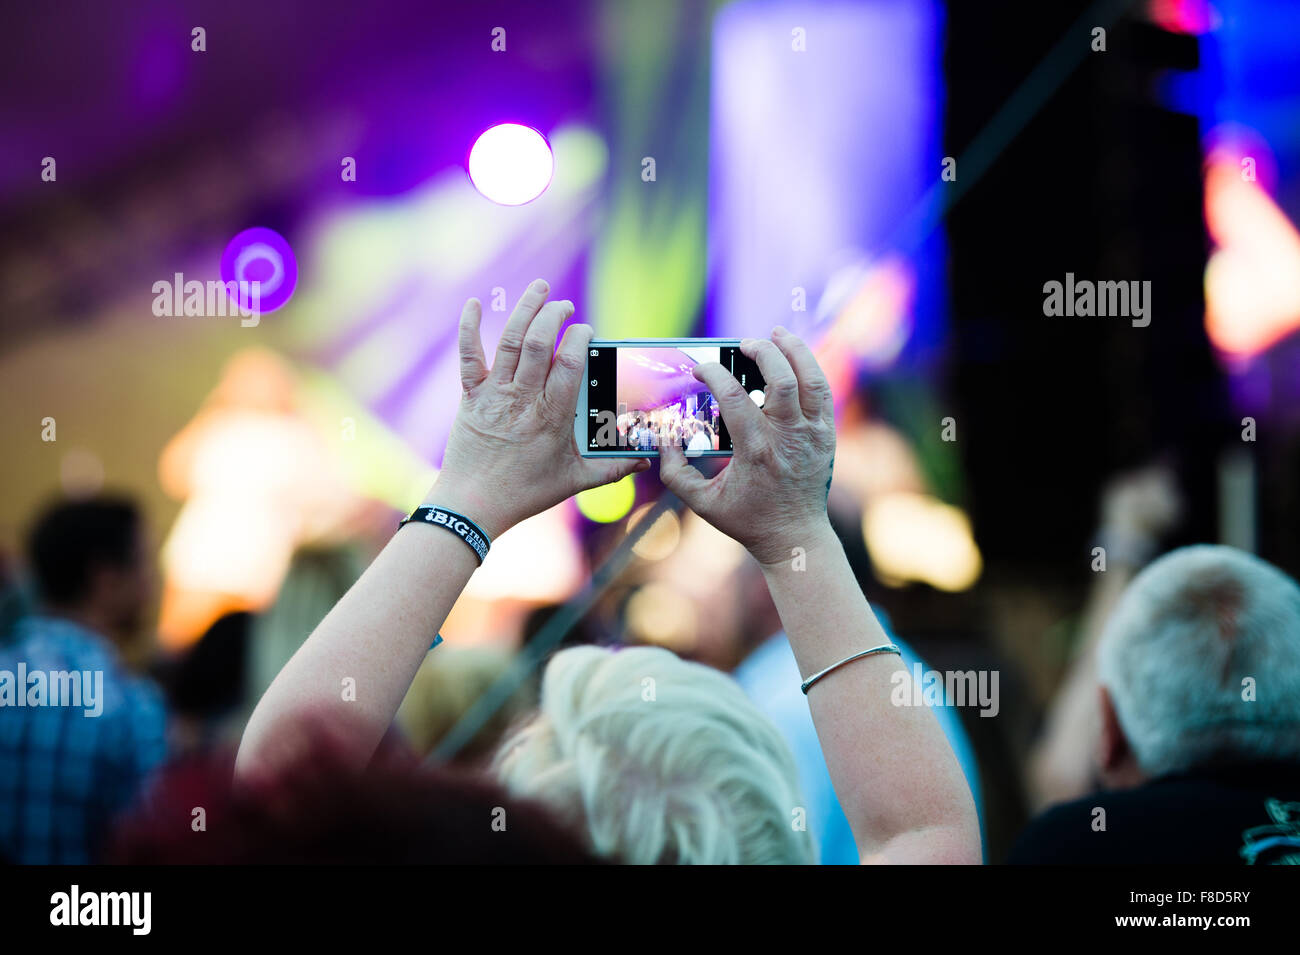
x,y
780,330
539,285
643,464
746,342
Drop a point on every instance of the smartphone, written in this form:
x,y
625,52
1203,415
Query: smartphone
x,y
637,388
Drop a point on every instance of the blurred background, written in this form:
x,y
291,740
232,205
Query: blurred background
x,y
894,180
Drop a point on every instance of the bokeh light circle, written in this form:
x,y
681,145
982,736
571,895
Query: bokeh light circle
x,y
608,503
661,537
261,255
81,473
511,164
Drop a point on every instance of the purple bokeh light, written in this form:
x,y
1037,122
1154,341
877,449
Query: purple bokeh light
x,y
261,255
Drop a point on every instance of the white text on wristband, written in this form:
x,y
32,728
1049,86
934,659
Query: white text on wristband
x,y
458,524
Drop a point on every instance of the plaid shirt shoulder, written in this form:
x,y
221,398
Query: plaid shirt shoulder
x,y
64,773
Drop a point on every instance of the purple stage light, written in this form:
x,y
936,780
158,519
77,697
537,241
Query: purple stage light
x,y
511,164
261,255
832,186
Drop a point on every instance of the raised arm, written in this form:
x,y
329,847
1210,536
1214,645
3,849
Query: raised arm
x,y
1137,509
510,455
894,772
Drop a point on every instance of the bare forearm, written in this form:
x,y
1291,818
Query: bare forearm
x,y
1062,760
355,668
510,455
893,770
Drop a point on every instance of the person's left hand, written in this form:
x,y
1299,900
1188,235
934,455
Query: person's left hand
x,y
511,452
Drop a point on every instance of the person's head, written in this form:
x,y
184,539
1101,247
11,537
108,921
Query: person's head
x,y
445,688
317,578
1200,664
89,562
319,810
658,760
722,606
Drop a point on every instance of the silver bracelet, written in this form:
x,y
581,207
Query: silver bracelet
x,y
886,648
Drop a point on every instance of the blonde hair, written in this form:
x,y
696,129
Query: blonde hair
x,y
658,760
446,687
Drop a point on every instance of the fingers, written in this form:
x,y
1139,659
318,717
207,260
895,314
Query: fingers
x,y
782,386
539,344
565,379
814,390
681,478
473,366
595,472
743,419
511,343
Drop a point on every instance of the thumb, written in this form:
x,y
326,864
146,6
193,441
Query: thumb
x,y
595,472
681,478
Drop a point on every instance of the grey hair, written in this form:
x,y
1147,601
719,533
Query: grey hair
x,y
1202,661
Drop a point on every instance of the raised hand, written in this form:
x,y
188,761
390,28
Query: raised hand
x,y
771,496
511,452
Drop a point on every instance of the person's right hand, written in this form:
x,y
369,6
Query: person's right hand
x,y
771,496
511,452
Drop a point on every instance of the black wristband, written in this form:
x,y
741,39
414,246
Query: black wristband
x,y
458,524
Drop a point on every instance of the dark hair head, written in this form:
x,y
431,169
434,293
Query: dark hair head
x,y
72,539
317,810
209,680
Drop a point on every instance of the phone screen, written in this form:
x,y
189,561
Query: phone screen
x,y
636,392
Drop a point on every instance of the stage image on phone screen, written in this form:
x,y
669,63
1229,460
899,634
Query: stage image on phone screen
x,y
638,392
